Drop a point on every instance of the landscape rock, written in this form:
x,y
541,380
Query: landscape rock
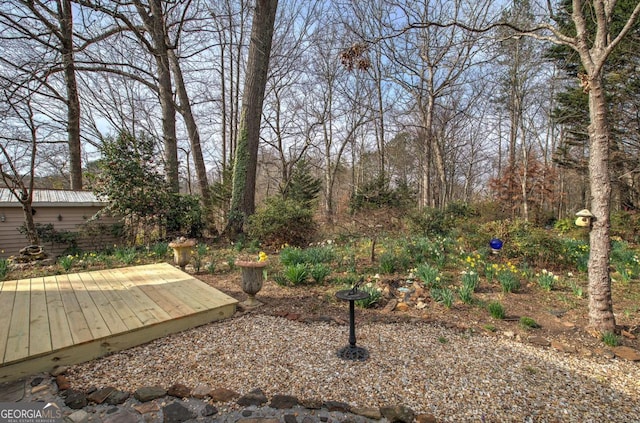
x,y
99,396
398,414
209,410
391,305
339,406
368,412
79,416
255,397
201,391
36,381
426,418
62,382
179,390
148,393
177,413
539,340
627,353
283,401
402,307
75,399
122,417
563,347
117,397
223,395
147,407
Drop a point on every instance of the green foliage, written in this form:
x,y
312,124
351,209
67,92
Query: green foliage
x,y
160,249
280,222
466,294
528,323
496,310
375,295
610,339
378,193
509,281
388,263
547,280
576,289
564,225
576,252
185,216
296,274
470,280
439,222
303,187
444,296
66,262
200,253
131,178
48,234
4,268
319,272
126,255
313,255
429,275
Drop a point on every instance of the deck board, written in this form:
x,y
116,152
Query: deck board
x,y
59,330
39,334
68,319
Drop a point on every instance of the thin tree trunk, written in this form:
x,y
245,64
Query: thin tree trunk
x,y
192,130
73,100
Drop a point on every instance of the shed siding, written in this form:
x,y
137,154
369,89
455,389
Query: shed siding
x,y
71,219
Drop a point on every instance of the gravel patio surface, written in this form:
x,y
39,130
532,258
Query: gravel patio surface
x,y
454,375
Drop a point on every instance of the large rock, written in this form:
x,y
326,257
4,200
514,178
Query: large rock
x,y
177,413
627,353
149,393
398,414
255,397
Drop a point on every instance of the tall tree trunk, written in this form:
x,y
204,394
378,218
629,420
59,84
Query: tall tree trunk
x,y
156,26
192,130
246,157
601,316
73,100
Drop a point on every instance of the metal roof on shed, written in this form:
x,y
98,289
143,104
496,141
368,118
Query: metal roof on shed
x,y
53,198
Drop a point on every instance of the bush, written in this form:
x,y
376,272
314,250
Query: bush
x,y
279,222
496,310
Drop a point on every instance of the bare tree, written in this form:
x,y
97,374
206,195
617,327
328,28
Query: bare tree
x,y
246,155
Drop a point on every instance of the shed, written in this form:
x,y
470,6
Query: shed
x,y
67,211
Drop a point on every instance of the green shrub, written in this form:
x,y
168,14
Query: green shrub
x,y
4,268
319,272
466,294
160,249
388,263
508,281
528,322
280,222
66,262
470,280
292,255
374,296
321,254
496,310
296,274
610,339
429,275
547,280
126,255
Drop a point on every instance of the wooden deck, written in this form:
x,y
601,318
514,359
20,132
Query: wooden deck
x,y
67,319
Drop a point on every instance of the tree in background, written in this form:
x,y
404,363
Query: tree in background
x,y
246,157
131,178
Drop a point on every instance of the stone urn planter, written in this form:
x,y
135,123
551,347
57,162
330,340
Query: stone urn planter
x,y
252,279
182,248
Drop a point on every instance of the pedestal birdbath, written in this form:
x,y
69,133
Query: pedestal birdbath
x,y
351,351
182,248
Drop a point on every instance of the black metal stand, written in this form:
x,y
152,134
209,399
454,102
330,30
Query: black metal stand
x,y
351,351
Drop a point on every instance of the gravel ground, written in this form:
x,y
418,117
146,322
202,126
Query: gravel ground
x,y
454,375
